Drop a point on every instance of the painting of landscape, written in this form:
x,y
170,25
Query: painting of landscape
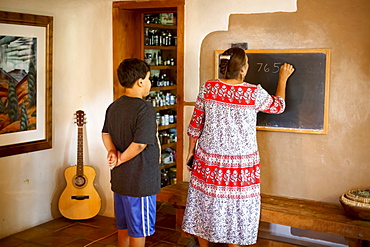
x,y
18,83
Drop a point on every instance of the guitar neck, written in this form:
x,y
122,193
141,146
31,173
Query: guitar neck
x,y
80,156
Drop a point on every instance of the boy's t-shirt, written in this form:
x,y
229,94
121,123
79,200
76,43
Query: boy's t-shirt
x,y
130,120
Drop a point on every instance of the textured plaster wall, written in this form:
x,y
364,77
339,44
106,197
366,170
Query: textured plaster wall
x,y
318,167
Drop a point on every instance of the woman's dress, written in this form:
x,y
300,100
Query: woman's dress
x,y
223,204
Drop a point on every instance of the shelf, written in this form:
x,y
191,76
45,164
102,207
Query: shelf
x,y
157,47
164,166
154,67
160,26
166,107
169,145
165,127
129,28
174,87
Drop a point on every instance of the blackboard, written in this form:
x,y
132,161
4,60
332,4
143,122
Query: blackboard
x,y
307,93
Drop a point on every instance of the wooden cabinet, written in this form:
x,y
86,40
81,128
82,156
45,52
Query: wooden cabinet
x,y
154,30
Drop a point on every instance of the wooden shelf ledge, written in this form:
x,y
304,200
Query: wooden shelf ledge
x,y
299,213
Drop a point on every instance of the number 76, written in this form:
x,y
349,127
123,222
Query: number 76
x,y
266,69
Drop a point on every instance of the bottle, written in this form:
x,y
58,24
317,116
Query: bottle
x,y
172,173
147,38
158,118
174,41
159,82
147,18
160,41
156,100
159,58
164,77
151,36
166,119
155,38
169,37
165,38
155,59
168,97
172,99
171,119
165,178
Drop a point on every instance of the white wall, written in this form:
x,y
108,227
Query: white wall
x,y
30,184
82,79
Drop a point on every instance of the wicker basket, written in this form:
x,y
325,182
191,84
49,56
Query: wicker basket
x,y
356,209
359,195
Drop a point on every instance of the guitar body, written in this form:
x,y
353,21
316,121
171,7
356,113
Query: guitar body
x,y
79,200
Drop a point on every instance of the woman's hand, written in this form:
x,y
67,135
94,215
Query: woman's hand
x,y
191,150
286,70
190,155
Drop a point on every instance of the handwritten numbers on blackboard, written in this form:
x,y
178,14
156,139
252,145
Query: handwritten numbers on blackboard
x,y
266,67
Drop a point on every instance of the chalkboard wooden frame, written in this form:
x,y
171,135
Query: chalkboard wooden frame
x,y
307,95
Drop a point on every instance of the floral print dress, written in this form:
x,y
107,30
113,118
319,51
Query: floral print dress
x,y
223,204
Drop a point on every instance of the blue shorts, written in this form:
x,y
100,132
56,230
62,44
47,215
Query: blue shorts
x,y
136,214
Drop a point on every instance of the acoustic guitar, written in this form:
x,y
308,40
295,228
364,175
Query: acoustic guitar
x,y
79,200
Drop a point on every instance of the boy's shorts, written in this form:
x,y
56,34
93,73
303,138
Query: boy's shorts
x,y
136,214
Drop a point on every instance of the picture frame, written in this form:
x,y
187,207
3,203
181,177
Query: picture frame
x,y
167,18
307,92
26,49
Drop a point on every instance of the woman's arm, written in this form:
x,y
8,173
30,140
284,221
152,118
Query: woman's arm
x,y
191,149
286,70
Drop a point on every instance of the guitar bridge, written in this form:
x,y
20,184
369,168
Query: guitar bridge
x,y
80,197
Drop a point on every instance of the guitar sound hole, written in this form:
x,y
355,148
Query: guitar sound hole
x,y
80,181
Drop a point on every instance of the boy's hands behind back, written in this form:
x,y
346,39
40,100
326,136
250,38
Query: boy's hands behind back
x,y
112,159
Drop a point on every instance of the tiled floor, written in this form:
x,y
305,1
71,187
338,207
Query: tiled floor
x,y
97,232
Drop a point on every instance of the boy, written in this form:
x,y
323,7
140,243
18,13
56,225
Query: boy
x,y
130,137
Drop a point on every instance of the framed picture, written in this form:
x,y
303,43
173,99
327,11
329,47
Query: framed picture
x,y
25,82
167,18
307,92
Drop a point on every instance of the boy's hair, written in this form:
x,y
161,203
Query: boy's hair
x,y
130,70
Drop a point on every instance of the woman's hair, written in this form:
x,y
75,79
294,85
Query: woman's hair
x,y
231,62
130,70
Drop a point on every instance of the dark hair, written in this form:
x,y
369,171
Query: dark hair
x,y
231,62
130,70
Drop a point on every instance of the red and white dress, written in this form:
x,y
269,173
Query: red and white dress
x,y
223,204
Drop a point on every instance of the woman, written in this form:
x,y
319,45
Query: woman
x,y
223,204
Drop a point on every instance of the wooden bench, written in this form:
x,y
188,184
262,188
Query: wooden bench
x,y
298,213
